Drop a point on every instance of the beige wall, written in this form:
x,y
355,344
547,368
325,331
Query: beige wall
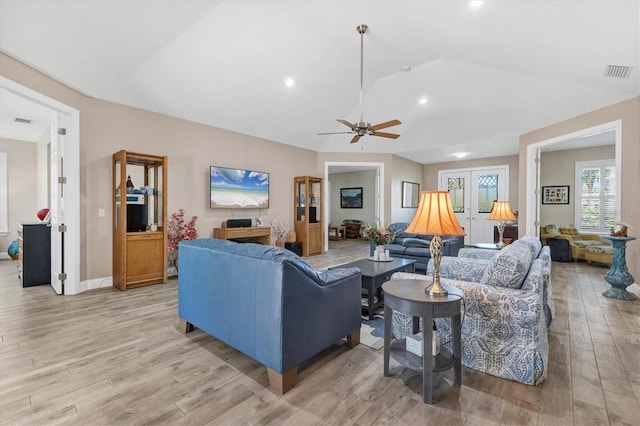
x,y
557,168
365,179
403,170
22,181
430,178
629,113
106,127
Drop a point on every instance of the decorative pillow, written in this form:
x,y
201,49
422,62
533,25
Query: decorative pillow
x,y
551,229
416,242
509,268
352,221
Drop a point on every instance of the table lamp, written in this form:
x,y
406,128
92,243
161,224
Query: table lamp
x,y
501,211
435,217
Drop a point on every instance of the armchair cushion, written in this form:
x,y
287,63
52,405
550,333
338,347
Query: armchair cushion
x,y
551,229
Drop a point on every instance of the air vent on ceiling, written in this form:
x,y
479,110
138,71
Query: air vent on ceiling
x,y
618,71
22,120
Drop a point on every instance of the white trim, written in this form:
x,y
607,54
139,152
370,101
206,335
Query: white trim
x,y
4,256
91,284
4,211
379,208
72,172
532,203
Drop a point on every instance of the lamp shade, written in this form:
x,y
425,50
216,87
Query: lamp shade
x,y
435,216
501,211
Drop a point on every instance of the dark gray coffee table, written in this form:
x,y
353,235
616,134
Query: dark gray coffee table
x,y
374,274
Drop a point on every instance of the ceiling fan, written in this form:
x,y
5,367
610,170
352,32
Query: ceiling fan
x,y
362,128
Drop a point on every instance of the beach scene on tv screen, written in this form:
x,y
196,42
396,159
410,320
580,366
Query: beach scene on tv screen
x,y
236,188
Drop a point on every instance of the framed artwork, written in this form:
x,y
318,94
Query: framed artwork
x,y
555,194
410,194
351,198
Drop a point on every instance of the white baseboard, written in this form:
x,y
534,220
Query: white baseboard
x,y
91,284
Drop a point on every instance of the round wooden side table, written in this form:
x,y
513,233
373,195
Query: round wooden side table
x,y
409,297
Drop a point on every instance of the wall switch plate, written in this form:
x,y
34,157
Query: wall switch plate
x,y
101,213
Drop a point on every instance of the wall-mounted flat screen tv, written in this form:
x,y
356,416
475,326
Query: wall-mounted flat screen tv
x,y
238,189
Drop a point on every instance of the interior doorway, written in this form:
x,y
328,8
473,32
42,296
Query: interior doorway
x,y
346,166
577,139
473,192
64,187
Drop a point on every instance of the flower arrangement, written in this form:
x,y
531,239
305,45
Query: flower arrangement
x,y
279,229
178,230
380,235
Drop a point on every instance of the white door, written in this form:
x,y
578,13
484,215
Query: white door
x,y
473,192
56,167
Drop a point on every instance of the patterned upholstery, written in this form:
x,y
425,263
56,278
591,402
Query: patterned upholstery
x,y
474,253
509,268
599,253
504,329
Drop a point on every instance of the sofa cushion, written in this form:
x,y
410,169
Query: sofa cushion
x,y
416,242
395,248
509,268
533,243
418,251
569,230
551,229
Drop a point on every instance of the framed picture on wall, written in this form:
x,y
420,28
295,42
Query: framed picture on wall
x,y
351,198
410,194
555,194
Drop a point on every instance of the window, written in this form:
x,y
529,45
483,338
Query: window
x,y
595,195
4,227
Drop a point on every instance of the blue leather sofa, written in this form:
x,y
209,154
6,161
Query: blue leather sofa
x,y
415,246
267,303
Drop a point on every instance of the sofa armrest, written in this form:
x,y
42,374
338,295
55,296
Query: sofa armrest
x,y
452,245
333,276
465,269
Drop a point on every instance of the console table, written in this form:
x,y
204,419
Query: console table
x,y
409,297
261,234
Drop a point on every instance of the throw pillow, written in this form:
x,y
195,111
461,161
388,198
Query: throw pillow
x,y
551,229
416,242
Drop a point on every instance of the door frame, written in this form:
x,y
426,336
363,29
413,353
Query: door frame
x,y
379,192
71,154
532,182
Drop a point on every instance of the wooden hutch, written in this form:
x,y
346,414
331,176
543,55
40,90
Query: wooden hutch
x,y
308,213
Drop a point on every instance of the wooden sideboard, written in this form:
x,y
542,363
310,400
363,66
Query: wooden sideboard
x,y
261,235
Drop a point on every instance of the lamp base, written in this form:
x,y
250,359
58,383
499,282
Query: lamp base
x,y
437,290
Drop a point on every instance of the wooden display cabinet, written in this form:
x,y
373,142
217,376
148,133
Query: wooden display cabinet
x,y
308,214
139,219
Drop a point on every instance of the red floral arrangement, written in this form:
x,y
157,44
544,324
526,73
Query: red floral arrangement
x,y
380,235
178,229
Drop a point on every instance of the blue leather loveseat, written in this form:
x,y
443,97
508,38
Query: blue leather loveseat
x,y
267,303
415,246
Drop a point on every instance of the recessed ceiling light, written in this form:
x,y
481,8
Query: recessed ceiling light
x,y
289,82
460,154
406,68
476,3
423,101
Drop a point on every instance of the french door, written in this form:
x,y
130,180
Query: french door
x,y
473,192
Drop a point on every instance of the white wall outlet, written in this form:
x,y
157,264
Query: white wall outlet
x,y
101,213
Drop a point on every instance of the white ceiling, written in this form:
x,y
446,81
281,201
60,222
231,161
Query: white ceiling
x,y
489,74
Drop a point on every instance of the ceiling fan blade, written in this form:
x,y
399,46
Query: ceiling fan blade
x,y
385,125
346,123
385,135
335,133
356,138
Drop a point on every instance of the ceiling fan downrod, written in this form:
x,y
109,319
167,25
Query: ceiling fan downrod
x,y
362,28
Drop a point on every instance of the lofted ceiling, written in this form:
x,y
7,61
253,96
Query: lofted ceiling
x,y
489,74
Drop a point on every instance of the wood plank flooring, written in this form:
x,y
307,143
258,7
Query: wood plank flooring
x,y
119,358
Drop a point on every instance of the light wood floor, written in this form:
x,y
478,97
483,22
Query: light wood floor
x,y
119,358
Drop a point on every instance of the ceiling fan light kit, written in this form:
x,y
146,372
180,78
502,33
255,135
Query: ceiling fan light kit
x,y
362,128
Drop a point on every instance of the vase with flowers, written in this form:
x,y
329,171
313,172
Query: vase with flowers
x,y
178,229
279,230
379,236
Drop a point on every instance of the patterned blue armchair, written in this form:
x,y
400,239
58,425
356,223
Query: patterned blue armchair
x,y
504,327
